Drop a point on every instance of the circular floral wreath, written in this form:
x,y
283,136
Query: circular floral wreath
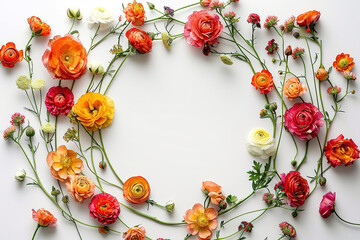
x,y
210,22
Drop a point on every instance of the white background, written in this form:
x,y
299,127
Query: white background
x,y
181,118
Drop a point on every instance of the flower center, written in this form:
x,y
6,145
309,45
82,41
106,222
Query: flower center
x,y
10,55
104,206
67,58
65,161
343,63
137,190
59,100
202,220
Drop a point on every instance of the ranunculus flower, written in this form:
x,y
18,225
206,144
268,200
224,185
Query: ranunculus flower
x,y
296,188
136,190
38,27
134,233
213,190
102,17
81,187
135,13
287,229
139,40
343,62
44,218
293,88
263,81
202,27
63,163
9,55
322,74
201,221
48,127
66,58
260,143
308,19
327,204
341,151
105,208
59,100
94,111
303,120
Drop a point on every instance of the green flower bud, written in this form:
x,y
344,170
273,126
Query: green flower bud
x,y
30,132
74,13
273,106
20,175
222,205
65,199
296,35
226,60
170,205
151,5
322,181
95,68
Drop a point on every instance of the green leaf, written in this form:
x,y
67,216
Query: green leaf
x,y
231,199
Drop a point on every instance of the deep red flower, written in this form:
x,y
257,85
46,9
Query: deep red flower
x,y
296,188
59,100
105,208
9,55
254,19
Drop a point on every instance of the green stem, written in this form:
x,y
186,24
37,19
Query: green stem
x,y
37,228
91,83
92,162
357,224
307,83
56,120
233,234
237,204
92,39
27,57
305,155
72,25
258,210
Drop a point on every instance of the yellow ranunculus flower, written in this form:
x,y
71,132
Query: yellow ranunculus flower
x,y
261,143
94,111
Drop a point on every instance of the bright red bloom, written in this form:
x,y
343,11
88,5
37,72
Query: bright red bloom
x,y
44,218
253,18
308,19
139,40
9,55
341,151
38,27
105,208
59,100
327,205
296,188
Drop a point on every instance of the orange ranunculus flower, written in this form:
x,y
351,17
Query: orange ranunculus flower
x,y
341,151
140,40
136,190
201,221
38,27
213,191
9,55
293,88
308,18
66,58
135,13
44,218
63,163
343,62
322,74
81,187
134,233
94,111
263,81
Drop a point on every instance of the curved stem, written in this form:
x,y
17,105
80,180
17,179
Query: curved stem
x,y
305,155
237,204
37,228
72,25
27,57
357,224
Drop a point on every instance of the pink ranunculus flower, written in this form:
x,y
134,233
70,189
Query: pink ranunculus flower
x,y
202,27
59,100
304,120
327,204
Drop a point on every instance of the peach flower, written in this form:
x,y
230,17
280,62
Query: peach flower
x,y
136,190
64,163
44,218
201,221
66,58
134,233
81,187
293,88
135,13
213,191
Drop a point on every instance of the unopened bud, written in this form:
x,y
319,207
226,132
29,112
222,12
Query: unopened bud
x,y
296,35
170,205
267,106
152,35
30,132
263,113
65,199
294,214
273,106
222,205
74,13
322,74
322,181
151,5
280,72
226,60
95,68
293,163
20,175
352,91
273,60
102,164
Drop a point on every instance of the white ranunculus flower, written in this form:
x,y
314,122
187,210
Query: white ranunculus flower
x,y
102,16
260,143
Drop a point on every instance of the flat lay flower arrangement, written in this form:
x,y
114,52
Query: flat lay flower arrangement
x,y
301,105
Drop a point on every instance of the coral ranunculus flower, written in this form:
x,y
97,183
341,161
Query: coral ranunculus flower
x,y
105,208
134,233
139,40
94,111
293,88
38,27
343,62
327,205
308,19
66,58
64,163
59,100
213,190
9,55
303,120
135,13
202,27
201,221
44,218
81,187
341,151
136,190
263,81
296,188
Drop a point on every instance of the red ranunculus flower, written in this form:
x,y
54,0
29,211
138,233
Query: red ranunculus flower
x,y
202,27
105,208
59,100
304,120
327,204
341,151
9,55
296,188
139,40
